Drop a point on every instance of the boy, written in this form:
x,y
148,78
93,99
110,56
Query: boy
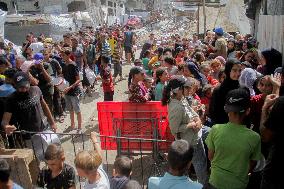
x,y
116,59
106,76
179,159
121,172
233,149
58,174
71,74
5,181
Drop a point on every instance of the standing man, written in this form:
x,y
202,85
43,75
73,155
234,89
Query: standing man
x,y
220,48
129,41
27,107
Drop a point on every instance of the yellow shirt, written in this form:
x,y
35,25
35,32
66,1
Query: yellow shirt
x,y
112,42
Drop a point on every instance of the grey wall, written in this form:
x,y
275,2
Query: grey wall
x,y
17,34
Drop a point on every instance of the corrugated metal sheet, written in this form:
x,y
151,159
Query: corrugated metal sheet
x,y
270,32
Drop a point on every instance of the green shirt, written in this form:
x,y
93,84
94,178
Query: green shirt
x,y
159,91
233,146
145,62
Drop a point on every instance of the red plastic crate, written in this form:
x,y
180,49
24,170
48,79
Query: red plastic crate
x,y
133,120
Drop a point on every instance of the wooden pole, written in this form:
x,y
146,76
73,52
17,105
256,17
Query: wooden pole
x,y
204,18
198,19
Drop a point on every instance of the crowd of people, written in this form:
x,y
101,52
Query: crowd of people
x,y
223,96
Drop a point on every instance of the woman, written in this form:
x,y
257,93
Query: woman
x,y
270,60
185,124
216,107
191,70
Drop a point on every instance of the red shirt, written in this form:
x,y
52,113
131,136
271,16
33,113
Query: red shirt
x,y
257,102
107,80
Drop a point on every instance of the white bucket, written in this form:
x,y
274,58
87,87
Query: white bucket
x,y
42,140
60,83
91,76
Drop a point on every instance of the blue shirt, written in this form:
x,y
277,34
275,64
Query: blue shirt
x,y
169,181
15,186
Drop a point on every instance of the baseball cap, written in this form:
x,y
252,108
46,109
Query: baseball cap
x,y
21,79
237,100
219,31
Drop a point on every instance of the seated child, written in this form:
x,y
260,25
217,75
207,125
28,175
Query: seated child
x,y
58,174
89,166
121,172
5,181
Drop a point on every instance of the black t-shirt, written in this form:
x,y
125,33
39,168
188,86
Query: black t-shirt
x,y
70,71
55,67
65,180
45,87
27,110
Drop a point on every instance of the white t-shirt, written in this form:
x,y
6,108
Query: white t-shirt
x,y
103,183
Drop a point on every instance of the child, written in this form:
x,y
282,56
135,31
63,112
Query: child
x,y
106,76
138,93
162,77
148,83
225,140
145,61
121,172
71,74
216,67
5,181
116,59
89,165
206,97
59,174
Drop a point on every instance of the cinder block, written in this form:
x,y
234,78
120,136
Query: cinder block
x,y
23,164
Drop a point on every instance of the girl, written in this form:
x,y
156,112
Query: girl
x,y
162,77
185,124
145,61
137,91
231,48
216,67
191,70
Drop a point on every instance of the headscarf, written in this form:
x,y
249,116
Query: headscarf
x,y
273,60
247,79
196,73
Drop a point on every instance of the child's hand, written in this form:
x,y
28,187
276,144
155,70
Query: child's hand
x,y
94,137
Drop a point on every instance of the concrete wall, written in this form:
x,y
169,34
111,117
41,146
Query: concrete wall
x,y
17,34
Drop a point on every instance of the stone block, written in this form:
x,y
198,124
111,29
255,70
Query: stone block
x,y
23,164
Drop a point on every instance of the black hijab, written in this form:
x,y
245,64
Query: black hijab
x,y
273,60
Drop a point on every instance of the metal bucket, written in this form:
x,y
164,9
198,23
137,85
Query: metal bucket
x,y
42,140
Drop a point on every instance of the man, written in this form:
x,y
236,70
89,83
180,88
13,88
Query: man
x,y
129,41
179,159
42,72
27,107
220,48
78,53
233,149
